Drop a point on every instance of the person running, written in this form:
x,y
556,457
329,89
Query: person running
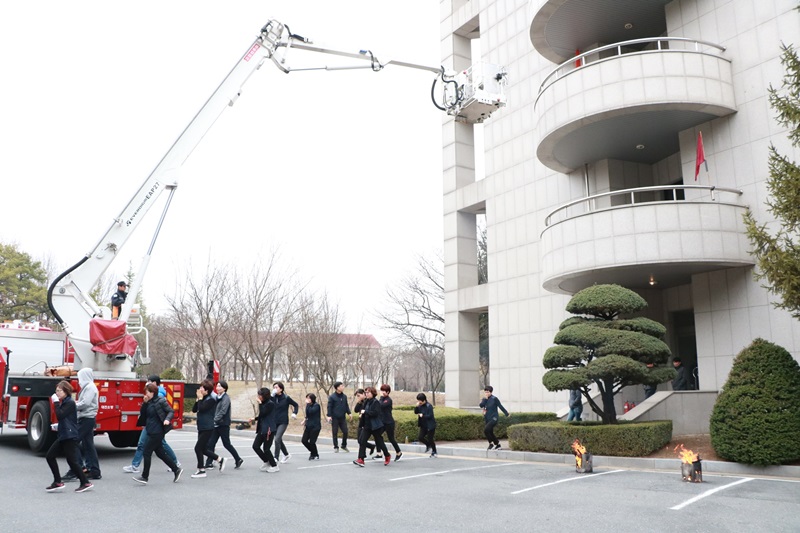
x,y
265,430
426,422
67,440
205,407
388,419
311,426
373,425
155,416
222,427
490,404
362,435
282,403
133,468
86,405
338,408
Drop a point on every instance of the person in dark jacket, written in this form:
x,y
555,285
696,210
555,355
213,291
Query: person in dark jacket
x,y
205,407
373,426
388,419
265,430
681,381
67,441
490,404
361,433
282,404
155,416
311,426
222,426
338,409
426,422
118,298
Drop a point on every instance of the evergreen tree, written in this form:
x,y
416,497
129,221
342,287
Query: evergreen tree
x,y
23,285
599,348
775,247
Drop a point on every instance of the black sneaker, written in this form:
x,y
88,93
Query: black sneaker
x,y
398,456
54,487
69,477
491,446
238,463
497,446
221,464
178,473
140,479
84,487
94,475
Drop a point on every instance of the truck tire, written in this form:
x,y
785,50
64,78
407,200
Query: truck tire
x,y
124,439
40,436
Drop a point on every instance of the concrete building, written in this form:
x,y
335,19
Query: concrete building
x,y
590,178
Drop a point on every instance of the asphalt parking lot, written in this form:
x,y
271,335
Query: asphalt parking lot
x,y
417,493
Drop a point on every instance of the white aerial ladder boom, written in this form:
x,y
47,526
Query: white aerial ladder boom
x,y
68,295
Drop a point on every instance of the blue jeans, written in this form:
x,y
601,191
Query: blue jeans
x,y
575,414
137,457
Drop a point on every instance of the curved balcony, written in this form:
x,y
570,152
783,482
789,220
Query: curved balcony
x,y
626,102
639,239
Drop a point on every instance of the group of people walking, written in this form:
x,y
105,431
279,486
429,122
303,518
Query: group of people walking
x,y
76,422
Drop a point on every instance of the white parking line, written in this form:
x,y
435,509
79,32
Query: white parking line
x,y
351,462
449,471
565,480
709,493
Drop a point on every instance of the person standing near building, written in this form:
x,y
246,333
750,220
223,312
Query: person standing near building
x,y
67,440
133,468
265,430
650,389
222,426
338,409
205,407
426,422
118,298
282,404
155,417
575,405
86,405
388,419
681,381
312,425
490,404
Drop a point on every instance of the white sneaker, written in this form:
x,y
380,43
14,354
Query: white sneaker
x,y
131,469
199,473
264,467
273,469
285,458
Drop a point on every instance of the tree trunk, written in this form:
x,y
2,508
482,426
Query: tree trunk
x,y
609,410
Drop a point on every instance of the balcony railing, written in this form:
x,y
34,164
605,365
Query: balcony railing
x,y
652,45
630,197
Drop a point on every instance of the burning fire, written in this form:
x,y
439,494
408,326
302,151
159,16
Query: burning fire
x,y
578,449
687,456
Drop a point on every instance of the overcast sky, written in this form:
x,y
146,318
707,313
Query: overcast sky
x,y
340,170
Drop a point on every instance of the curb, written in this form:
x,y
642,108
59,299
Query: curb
x,y
633,463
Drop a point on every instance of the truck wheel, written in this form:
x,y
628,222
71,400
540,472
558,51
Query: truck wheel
x,y
40,436
124,439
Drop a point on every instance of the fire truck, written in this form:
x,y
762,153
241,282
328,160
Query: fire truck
x,y
90,339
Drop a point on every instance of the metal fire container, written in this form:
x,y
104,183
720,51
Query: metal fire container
x,y
585,466
692,472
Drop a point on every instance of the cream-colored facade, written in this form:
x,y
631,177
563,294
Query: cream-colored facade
x,y
590,178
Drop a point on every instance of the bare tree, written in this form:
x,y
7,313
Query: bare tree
x,y
317,345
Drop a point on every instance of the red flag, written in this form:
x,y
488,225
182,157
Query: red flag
x,y
701,156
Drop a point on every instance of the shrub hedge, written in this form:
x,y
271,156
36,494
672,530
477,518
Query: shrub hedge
x,y
756,418
453,424
624,439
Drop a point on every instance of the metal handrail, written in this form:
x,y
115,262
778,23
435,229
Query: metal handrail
x,y
582,58
590,200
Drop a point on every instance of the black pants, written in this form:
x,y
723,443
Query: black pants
x,y
155,443
377,436
488,430
262,445
363,442
87,451
426,437
201,447
309,440
280,447
223,433
337,423
68,448
390,436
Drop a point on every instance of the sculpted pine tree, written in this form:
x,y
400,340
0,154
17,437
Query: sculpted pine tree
x,y
598,348
775,246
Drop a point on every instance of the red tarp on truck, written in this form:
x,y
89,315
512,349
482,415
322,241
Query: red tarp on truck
x,y
109,337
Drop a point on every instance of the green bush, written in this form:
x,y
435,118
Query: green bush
x,y
625,439
172,373
453,424
188,404
756,418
